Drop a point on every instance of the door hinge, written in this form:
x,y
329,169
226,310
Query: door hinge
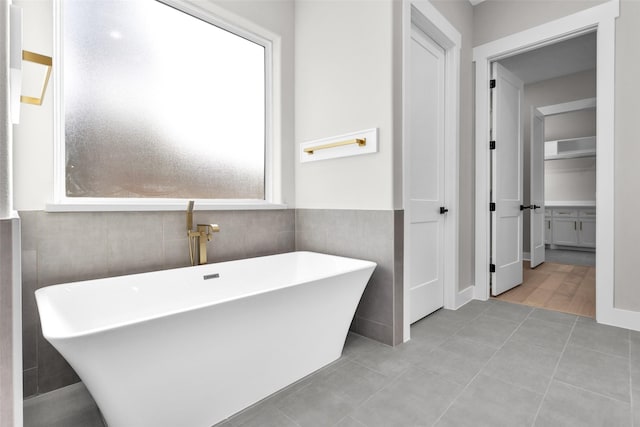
x,y
492,145
492,207
492,83
492,268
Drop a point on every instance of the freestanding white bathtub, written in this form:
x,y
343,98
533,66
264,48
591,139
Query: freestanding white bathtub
x,y
186,348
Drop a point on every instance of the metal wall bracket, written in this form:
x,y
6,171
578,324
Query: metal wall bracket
x,y
42,60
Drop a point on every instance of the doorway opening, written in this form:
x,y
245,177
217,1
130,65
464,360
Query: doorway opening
x,y
602,18
544,182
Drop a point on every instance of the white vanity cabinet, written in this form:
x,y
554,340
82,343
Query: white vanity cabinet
x,y
571,226
548,228
587,228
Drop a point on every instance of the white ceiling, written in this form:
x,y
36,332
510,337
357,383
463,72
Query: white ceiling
x,y
556,60
475,2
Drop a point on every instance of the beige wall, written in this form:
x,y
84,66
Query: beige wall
x,y
33,138
344,73
627,153
494,19
460,14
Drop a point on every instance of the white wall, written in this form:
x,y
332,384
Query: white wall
x,y
569,180
33,138
570,125
344,81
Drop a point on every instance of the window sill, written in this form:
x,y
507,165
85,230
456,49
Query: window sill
x,y
122,205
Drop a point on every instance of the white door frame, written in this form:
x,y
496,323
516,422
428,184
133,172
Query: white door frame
x,y
600,18
426,17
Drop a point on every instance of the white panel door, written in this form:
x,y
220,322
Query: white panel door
x,y
426,177
507,181
536,198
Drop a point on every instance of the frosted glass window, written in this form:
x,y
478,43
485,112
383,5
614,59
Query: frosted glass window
x,y
160,104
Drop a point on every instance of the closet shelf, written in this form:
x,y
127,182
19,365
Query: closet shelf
x,y
570,148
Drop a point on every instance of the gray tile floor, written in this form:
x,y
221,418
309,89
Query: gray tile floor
x,y
487,364
563,256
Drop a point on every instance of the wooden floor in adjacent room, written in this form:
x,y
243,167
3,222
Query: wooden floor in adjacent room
x,y
559,287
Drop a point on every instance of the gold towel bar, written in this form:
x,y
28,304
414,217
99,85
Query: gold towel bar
x,y
42,60
360,141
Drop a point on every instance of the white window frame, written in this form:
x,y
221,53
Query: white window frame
x,y
220,18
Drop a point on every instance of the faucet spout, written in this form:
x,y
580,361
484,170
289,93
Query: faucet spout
x,y
210,229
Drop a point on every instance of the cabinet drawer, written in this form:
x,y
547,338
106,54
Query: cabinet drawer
x,y
587,213
560,213
548,212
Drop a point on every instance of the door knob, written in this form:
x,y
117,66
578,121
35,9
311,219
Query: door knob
x,y
443,210
535,207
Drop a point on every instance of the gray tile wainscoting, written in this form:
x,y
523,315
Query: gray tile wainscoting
x,y
67,247
9,316
375,235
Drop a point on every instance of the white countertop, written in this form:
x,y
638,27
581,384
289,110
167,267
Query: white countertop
x,y
576,204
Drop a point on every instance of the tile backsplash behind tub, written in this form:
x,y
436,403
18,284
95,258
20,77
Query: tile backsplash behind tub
x,y
67,247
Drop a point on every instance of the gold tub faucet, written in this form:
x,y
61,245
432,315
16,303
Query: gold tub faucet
x,y
199,237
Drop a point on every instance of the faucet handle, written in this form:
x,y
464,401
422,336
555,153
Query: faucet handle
x,y
208,230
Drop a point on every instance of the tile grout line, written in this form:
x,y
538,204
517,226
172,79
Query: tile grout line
x,y
287,416
591,392
483,366
599,352
392,381
395,379
555,371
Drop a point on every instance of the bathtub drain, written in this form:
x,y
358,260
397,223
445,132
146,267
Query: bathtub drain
x,y
211,276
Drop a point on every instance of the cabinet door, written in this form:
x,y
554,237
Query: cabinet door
x,y
565,231
548,235
587,233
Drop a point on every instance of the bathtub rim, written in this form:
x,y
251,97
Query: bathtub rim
x,y
40,295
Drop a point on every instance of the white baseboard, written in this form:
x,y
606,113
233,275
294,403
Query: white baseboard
x,y
464,296
526,256
620,318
